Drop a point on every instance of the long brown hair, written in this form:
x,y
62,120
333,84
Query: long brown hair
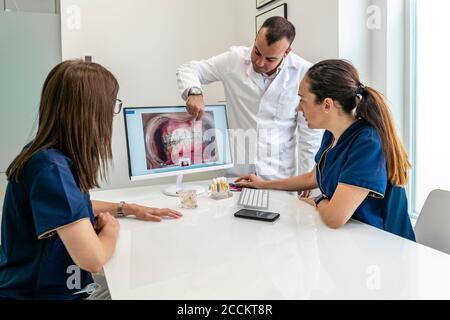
x,y
339,80
75,116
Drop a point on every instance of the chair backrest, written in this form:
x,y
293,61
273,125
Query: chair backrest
x,y
433,225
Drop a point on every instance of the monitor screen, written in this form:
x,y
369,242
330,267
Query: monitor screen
x,y
164,141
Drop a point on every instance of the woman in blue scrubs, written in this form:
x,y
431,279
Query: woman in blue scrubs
x,y
53,235
361,166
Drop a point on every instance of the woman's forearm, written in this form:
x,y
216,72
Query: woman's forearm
x,y
108,239
298,183
336,211
111,207
102,206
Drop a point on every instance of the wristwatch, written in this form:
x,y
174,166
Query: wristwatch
x,y
120,212
195,91
319,198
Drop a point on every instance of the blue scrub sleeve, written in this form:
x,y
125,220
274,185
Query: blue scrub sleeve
x,y
366,165
56,200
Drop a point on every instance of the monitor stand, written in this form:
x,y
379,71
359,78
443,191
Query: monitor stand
x,y
172,190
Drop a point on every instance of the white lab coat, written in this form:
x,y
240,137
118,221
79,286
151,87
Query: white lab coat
x,y
269,117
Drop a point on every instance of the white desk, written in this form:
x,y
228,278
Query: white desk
x,y
210,254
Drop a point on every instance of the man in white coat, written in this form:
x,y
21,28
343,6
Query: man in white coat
x,y
261,86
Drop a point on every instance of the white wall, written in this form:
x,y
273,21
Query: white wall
x,y
143,42
316,23
379,47
355,42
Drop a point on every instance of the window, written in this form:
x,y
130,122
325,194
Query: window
x,y
431,106
41,6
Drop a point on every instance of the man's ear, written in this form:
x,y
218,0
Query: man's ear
x,y
287,52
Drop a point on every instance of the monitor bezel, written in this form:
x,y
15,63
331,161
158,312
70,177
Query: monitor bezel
x,y
179,172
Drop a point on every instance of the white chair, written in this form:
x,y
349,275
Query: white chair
x,y
433,225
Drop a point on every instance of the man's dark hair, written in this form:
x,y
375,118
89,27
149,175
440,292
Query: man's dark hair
x,y
277,29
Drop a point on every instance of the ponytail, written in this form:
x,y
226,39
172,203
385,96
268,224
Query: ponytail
x,y
374,109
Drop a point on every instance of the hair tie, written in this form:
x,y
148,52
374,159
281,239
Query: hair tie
x,y
361,90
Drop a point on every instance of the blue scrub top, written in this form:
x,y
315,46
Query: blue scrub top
x,y
358,160
34,263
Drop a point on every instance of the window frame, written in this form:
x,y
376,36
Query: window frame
x,y
410,114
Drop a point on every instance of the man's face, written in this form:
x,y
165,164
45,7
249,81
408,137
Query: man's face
x,y
265,58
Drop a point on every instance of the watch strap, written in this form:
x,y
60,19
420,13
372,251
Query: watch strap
x,y
319,198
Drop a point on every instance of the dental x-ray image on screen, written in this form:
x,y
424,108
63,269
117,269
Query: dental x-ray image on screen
x,y
175,139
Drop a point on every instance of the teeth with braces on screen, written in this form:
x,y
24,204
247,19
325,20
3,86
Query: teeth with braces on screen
x,y
182,138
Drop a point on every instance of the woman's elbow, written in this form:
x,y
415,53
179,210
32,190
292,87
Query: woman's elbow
x,y
92,265
334,222
95,268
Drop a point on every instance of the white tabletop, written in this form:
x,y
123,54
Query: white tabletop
x,y
210,254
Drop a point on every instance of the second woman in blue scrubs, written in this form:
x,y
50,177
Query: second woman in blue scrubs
x,y
53,235
361,166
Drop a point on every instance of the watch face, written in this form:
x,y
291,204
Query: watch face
x,y
195,91
120,209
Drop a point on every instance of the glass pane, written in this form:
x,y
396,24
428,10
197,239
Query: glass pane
x,y
41,6
433,108
30,47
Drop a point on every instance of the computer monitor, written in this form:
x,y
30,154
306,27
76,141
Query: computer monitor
x,y
167,141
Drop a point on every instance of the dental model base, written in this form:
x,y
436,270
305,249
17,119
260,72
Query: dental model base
x,y
220,189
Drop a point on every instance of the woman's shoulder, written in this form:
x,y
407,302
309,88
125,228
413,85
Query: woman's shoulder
x,y
367,133
48,158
